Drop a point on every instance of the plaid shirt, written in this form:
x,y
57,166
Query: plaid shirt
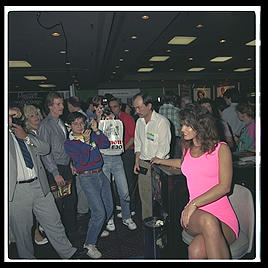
x,y
172,113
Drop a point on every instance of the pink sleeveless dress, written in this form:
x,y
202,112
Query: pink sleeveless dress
x,y
202,174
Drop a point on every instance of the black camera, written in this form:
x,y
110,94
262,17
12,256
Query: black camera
x,y
18,121
88,125
107,111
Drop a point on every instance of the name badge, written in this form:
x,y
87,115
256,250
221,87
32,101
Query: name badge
x,y
150,136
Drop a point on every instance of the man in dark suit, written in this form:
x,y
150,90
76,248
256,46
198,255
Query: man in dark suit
x,y
29,193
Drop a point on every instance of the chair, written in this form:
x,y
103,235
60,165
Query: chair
x,y
243,205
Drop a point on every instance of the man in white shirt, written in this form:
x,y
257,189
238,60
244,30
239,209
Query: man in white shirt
x,y
229,114
152,139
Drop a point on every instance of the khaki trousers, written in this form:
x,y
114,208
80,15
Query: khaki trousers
x,y
145,190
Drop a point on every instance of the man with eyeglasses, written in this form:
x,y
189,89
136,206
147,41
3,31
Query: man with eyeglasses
x,y
152,139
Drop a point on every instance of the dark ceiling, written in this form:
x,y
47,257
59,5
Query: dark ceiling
x,y
96,41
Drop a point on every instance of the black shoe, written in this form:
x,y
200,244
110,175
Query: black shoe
x,y
81,253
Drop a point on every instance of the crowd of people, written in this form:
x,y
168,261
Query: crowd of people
x,y
68,161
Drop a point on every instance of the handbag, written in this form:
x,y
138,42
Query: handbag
x,y
61,191
113,130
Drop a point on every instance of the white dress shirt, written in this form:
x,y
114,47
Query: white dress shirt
x,y
152,139
24,173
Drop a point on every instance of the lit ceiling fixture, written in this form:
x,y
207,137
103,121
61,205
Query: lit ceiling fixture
x,y
251,43
63,52
145,69
159,58
223,41
190,58
35,77
47,85
196,69
199,26
134,37
242,69
145,17
181,40
55,34
220,59
19,64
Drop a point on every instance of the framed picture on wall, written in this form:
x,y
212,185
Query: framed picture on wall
x,y
201,92
221,89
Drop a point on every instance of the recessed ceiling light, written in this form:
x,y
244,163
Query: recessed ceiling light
x,y
63,52
145,69
220,59
181,40
196,69
35,77
145,17
19,64
222,41
133,37
159,58
199,26
55,34
190,58
242,69
47,85
251,43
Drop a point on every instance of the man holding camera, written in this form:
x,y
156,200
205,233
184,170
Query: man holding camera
x,y
152,139
29,193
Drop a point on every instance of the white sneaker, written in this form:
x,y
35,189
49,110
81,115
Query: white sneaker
x,y
93,251
130,224
110,225
104,233
119,215
118,207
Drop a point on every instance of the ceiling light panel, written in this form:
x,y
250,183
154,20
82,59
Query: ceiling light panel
x,y
145,69
220,59
47,85
19,64
242,69
181,40
196,69
35,77
159,58
251,43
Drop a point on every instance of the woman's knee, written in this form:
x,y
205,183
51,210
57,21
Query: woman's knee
x,y
210,224
197,249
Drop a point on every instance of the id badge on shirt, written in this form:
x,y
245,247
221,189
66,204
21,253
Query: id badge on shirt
x,y
150,136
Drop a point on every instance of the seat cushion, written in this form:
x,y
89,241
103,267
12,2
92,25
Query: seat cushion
x,y
240,246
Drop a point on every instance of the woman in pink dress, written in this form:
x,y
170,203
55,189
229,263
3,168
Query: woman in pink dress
x,y
207,165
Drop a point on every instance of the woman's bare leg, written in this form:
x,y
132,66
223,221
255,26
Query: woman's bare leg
x,y
215,236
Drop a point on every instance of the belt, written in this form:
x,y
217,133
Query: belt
x,y
28,181
92,171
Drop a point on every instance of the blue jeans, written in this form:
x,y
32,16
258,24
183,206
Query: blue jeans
x,y
98,192
113,164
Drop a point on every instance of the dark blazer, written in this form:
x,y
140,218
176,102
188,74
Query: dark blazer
x,y
36,148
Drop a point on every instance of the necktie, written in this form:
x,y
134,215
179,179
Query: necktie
x,y
25,152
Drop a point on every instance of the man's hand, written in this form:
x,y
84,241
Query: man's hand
x,y
59,180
